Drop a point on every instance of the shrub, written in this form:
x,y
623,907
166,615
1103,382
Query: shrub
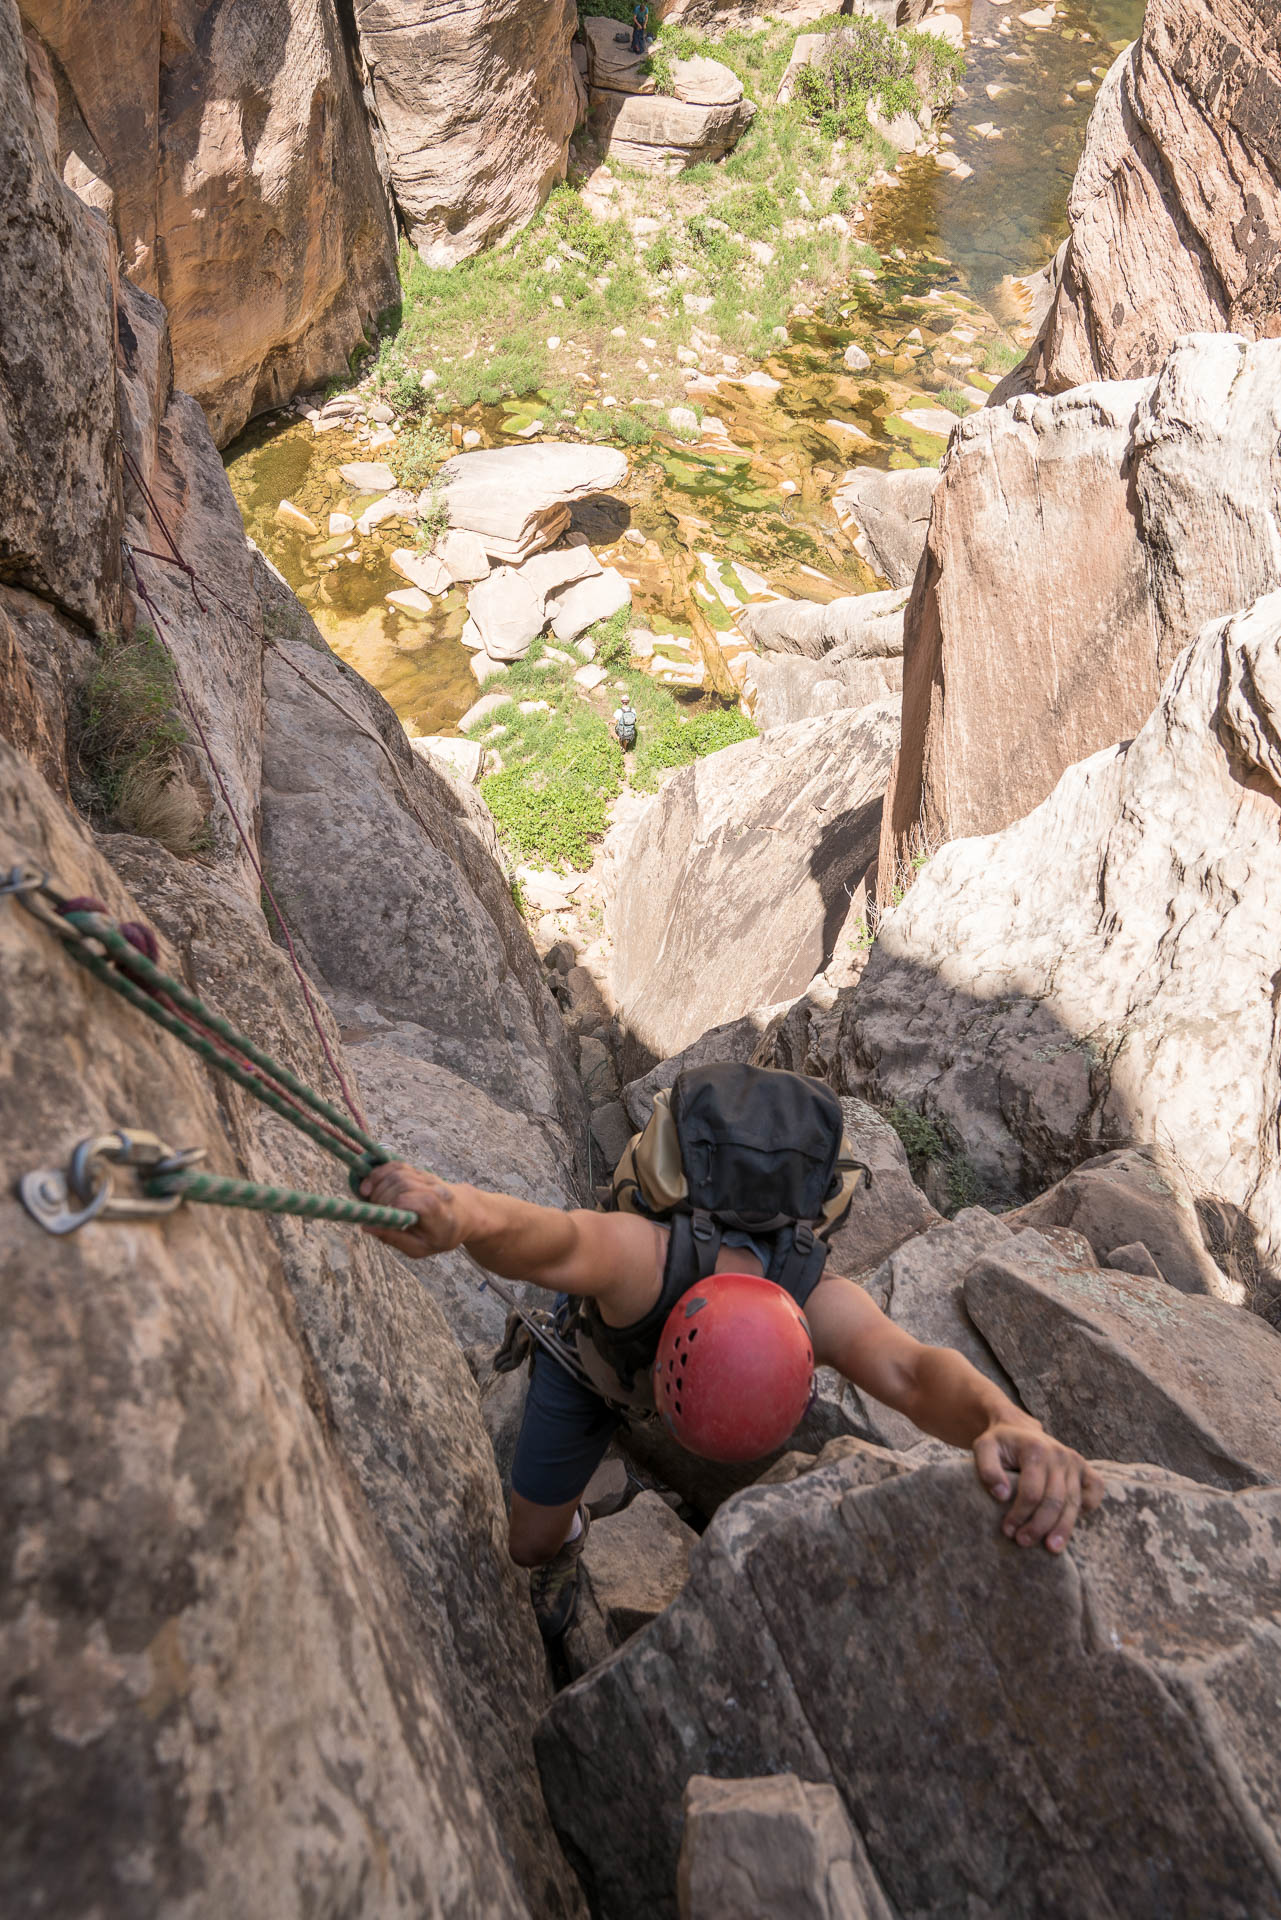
x,y
418,451
953,400
866,57
922,1141
631,429
1001,358
131,744
563,768
678,740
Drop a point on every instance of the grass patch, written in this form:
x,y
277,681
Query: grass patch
x,y
679,739
1001,358
418,451
131,745
954,400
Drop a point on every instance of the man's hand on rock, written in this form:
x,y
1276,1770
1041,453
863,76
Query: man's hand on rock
x,y
439,1228
1054,1486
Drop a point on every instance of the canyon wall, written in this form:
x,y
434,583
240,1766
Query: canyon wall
x,y
1176,207
265,1649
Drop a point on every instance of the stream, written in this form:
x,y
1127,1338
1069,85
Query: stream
x,y
748,509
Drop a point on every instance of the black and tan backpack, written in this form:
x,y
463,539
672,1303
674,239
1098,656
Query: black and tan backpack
x,y
730,1146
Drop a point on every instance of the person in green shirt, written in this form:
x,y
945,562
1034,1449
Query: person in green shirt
x,y
640,25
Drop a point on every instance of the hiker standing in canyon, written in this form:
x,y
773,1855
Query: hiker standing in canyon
x,y
640,25
724,1202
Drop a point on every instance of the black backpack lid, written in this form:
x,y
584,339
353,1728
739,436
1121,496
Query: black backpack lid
x,y
757,1144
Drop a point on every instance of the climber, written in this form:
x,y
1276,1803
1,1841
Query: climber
x,y
625,723
626,1302
640,25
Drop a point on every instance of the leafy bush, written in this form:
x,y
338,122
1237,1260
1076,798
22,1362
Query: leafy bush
x,y
953,400
922,1141
418,451
563,768
866,57
131,743
678,740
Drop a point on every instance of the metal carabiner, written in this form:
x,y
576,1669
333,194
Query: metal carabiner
x,y
62,1202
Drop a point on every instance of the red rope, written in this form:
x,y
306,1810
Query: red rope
x,y
352,1104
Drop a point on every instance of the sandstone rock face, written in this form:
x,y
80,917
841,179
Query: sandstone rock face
x,y
1101,972
421,954
662,135
236,167
807,1641
60,504
731,891
1136,1197
311,1670
1174,222
517,499
158,1371
888,1208
1078,544
610,60
888,514
754,1849
1126,1368
869,622
475,105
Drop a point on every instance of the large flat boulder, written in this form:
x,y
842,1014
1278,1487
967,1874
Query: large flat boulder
x,y
610,60
732,891
258,218
1103,971
1076,546
518,499
1124,1367
662,135
475,106
868,625
1173,212
887,1640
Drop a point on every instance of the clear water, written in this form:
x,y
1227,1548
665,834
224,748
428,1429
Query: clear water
x,y
927,319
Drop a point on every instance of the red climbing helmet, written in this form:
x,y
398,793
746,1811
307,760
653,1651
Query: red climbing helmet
x,y
734,1371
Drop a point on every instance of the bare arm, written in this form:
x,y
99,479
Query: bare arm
x,y
615,1257
944,1395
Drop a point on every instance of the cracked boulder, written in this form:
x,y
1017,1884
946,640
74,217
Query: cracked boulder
x,y
1011,1733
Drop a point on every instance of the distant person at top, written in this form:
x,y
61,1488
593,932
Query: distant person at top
x,y
640,25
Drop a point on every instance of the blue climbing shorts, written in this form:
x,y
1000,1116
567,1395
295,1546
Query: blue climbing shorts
x,y
563,1436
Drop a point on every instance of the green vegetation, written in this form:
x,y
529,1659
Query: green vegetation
x,y
419,450
904,70
954,400
930,1147
562,765
1001,358
131,744
577,276
922,1141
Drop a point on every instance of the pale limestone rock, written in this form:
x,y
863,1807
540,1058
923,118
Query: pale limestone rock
x,y
854,359
410,600
423,570
1102,970
1174,222
705,83
576,608
818,659
463,555
589,678
765,835
1137,510
662,135
475,107
548,573
889,515
481,710
808,1640
295,519
517,500
464,758
507,614
368,476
